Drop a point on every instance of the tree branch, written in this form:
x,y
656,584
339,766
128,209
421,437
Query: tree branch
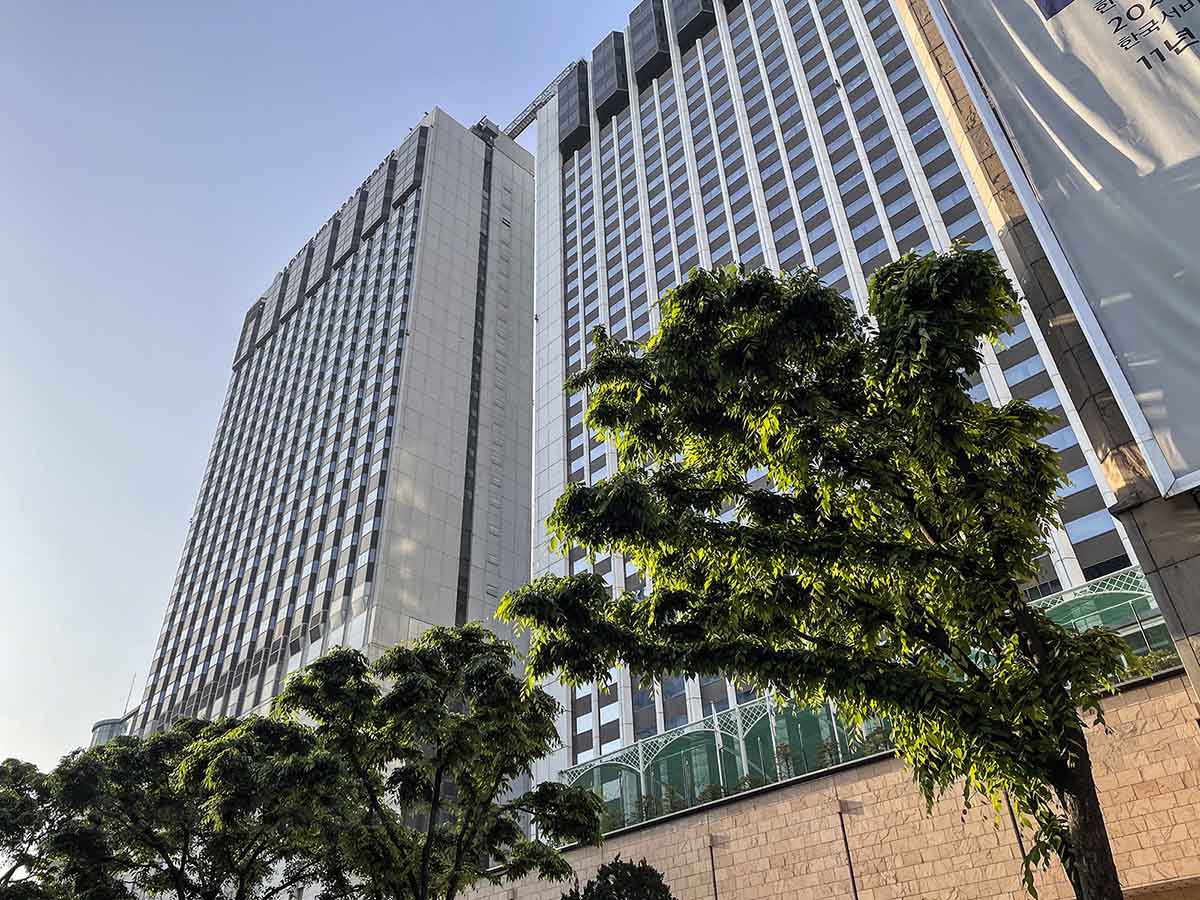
x,y
373,800
252,860
463,838
176,872
427,851
7,876
306,873
253,844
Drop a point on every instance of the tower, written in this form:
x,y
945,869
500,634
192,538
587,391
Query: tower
x,y
369,476
773,133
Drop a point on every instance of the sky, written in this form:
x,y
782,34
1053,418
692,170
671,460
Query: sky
x,y
159,162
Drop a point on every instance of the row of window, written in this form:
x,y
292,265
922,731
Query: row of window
x,y
774,118
242,602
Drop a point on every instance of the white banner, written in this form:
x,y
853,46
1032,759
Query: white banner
x,y
1102,100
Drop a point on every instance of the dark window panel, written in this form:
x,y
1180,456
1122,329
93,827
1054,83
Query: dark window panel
x,y
574,126
610,84
693,19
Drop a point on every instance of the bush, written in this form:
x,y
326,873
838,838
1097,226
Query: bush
x,y
1156,661
621,880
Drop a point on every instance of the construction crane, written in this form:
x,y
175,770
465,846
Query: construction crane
x,y
529,113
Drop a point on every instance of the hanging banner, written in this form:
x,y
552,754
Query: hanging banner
x,y
1102,101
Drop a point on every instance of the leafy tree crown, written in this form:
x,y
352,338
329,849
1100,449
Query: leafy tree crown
x,y
822,510
620,879
440,738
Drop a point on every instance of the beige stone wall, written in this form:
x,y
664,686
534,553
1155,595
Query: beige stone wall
x,y
787,842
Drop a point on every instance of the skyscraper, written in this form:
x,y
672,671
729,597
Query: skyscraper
x,y
773,133
370,471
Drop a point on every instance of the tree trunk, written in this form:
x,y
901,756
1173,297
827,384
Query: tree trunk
x,y
1095,870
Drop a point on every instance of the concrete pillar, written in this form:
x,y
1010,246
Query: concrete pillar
x,y
1166,538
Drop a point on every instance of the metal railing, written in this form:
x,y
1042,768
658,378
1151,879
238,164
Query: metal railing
x,y
1122,602
725,753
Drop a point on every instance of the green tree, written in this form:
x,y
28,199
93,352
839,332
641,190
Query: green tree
x,y
438,738
272,797
882,567
48,848
27,817
623,880
203,811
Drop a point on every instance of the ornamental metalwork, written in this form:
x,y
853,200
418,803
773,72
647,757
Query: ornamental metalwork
x,y
1128,585
1115,598
733,724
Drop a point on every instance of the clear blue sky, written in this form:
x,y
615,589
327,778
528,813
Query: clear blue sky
x,y
159,162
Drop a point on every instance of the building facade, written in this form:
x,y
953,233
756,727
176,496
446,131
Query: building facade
x,y
106,730
1164,531
776,133
369,476
862,831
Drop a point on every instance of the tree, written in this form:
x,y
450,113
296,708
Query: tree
x,y
27,815
882,566
622,880
48,850
272,796
203,811
438,737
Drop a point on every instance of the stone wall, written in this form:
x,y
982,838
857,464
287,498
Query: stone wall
x,y
791,841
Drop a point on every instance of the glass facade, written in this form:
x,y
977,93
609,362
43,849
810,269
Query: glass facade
x,y
782,133
109,729
279,554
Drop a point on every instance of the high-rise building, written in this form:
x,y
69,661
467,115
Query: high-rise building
x,y
774,133
370,472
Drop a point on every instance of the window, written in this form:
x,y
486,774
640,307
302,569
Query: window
x,y
978,393
1079,480
1027,368
1046,400
1019,333
1090,526
1061,439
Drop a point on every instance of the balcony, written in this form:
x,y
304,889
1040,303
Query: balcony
x,y
761,743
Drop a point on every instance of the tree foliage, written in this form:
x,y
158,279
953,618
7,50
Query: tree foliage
x,y
623,880
27,817
402,780
273,795
204,811
438,739
878,566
